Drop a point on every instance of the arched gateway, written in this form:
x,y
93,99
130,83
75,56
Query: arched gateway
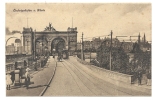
x,y
57,45
41,42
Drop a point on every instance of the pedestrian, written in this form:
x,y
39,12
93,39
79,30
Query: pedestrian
x,y
149,78
139,77
58,58
12,77
27,77
8,80
35,65
16,65
25,63
53,55
20,73
61,56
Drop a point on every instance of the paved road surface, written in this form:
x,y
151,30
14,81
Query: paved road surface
x,y
72,79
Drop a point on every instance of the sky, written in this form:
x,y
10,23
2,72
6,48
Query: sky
x,y
92,19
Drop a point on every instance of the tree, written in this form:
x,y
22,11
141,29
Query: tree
x,y
143,58
119,58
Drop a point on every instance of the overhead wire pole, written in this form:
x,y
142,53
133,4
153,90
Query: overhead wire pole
x,y
72,31
34,49
111,50
42,46
90,51
68,42
82,55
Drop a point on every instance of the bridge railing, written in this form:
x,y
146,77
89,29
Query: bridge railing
x,y
109,74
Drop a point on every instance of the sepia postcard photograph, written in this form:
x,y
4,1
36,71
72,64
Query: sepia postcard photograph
x,y
78,49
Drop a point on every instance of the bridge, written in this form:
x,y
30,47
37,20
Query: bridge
x,y
70,77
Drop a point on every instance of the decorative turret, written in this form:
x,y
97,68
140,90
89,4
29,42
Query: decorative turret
x,y
72,29
27,30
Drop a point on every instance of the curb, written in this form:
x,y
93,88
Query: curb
x,y
35,72
44,90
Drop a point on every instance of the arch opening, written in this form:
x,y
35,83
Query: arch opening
x,y
41,46
57,45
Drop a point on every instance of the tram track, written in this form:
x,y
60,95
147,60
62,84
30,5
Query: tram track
x,y
121,90
106,88
72,77
85,82
90,84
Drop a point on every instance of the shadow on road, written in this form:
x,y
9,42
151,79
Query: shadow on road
x,y
31,87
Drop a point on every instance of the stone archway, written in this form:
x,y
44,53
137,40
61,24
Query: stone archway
x,y
41,45
58,45
66,43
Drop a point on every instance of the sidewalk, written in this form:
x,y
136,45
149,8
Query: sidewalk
x,y
40,78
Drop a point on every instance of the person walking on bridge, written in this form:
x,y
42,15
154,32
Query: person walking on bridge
x,y
8,80
139,77
27,77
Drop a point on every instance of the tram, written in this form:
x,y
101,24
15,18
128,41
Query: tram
x,y
63,54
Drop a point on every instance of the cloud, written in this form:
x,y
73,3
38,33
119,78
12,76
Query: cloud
x,y
91,19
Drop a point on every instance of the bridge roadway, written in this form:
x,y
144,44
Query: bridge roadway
x,y
73,79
